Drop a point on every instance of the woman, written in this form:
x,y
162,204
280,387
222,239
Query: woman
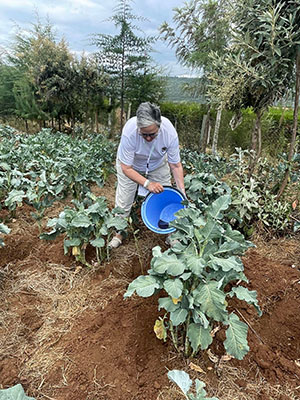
x,y
148,151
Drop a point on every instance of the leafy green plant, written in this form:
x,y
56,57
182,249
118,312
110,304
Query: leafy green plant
x,y
5,230
184,382
42,195
14,200
195,274
71,165
274,214
88,222
14,393
254,198
245,205
204,188
194,162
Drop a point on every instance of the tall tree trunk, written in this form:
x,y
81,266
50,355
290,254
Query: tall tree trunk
x,y
208,136
208,133
295,125
204,131
216,132
122,87
129,111
109,123
255,142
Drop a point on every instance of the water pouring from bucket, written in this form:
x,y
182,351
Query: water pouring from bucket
x,y
158,209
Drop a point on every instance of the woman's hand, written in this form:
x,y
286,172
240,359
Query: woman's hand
x,y
155,187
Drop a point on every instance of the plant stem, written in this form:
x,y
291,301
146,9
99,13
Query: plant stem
x,y
81,258
107,249
203,248
187,342
174,336
98,255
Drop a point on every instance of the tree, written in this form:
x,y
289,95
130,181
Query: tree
x,y
42,73
147,85
88,96
7,100
201,26
49,83
125,56
257,68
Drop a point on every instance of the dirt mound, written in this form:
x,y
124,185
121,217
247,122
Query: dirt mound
x,y
67,333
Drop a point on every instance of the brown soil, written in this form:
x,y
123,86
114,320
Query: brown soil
x,y
67,333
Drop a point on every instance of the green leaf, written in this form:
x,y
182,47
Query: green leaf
x,y
199,337
211,300
210,231
144,286
227,264
182,380
72,242
200,318
50,235
173,287
14,393
221,204
236,343
236,236
183,225
120,224
4,229
14,196
201,392
185,276
81,221
179,316
167,304
195,264
250,297
229,247
99,242
156,251
168,264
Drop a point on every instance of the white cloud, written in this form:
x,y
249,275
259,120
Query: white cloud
x,y
75,20
18,4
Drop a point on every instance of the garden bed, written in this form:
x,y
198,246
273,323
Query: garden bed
x,y
67,333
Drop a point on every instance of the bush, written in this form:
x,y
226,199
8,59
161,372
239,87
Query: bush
x,y
187,119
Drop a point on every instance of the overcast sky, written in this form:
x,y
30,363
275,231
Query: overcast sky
x,y
75,20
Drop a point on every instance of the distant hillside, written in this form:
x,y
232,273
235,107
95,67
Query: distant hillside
x,y
176,93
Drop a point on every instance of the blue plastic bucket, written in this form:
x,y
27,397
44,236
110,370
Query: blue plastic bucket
x,y
159,209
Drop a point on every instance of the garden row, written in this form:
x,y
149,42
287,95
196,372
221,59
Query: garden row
x,y
39,169
46,167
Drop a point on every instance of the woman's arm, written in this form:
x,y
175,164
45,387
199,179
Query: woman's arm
x,y
177,172
153,187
